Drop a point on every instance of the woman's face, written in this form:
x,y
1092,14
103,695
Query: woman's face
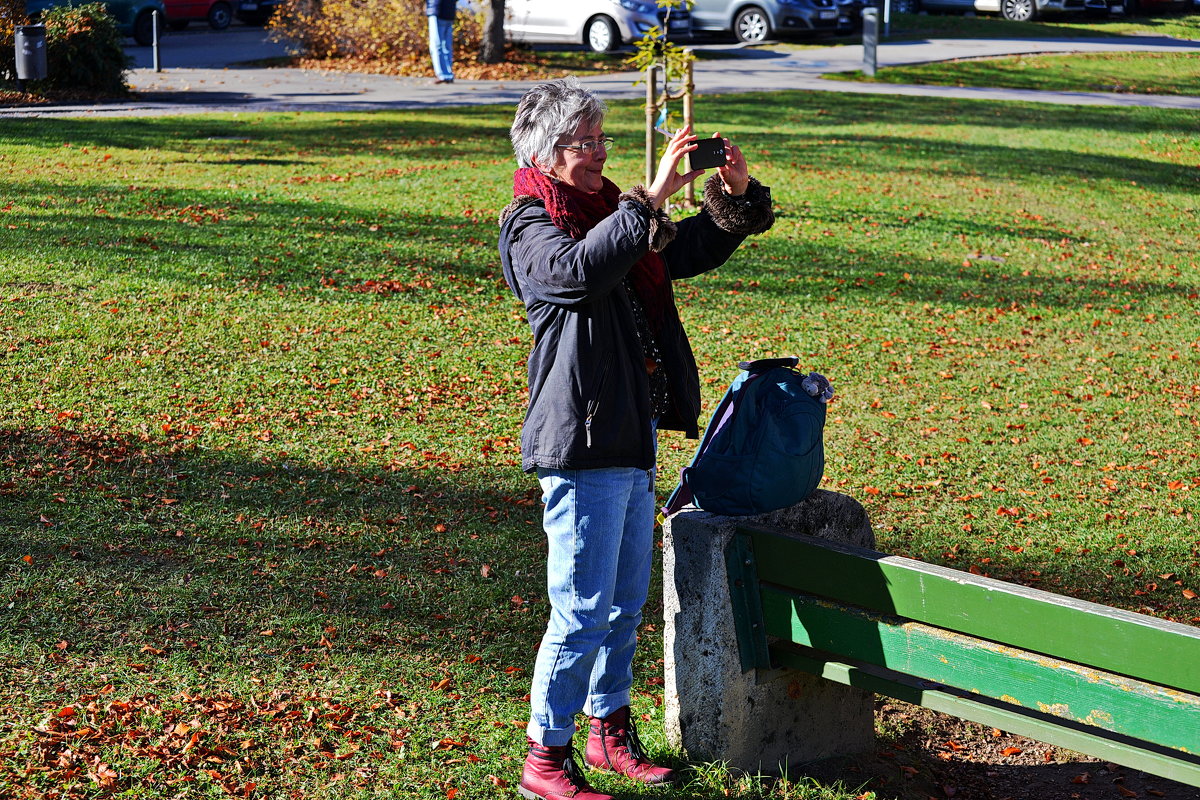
x,y
578,168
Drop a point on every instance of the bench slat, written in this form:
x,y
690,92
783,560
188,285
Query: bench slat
x,y
1085,695
1183,768
1150,649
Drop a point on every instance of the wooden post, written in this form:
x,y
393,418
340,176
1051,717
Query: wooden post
x,y
651,116
689,118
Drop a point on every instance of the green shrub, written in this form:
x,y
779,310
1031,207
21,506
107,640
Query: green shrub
x,y
84,51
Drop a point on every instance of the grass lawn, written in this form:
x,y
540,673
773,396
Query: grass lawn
x,y
1127,73
264,532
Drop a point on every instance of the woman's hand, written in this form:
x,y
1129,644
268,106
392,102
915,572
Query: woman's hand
x,y
735,175
668,181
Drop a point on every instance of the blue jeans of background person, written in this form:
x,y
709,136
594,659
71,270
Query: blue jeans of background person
x,y
600,527
441,42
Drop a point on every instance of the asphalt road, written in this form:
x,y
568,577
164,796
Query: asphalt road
x,y
200,47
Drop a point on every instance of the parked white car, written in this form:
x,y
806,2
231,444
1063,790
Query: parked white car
x,y
599,25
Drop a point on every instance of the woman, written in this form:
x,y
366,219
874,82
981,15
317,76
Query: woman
x,y
610,365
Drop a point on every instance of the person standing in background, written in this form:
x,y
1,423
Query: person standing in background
x,y
441,38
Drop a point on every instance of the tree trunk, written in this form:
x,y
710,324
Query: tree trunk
x,y
491,47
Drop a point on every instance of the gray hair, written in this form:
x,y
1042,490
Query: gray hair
x,y
548,112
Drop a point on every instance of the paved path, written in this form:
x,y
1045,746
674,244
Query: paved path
x,y
200,84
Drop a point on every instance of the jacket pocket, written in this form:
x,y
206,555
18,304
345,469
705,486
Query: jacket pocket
x,y
593,404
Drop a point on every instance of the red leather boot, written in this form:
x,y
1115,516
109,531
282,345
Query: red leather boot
x,y
551,774
613,745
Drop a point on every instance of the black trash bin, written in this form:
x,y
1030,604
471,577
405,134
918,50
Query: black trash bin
x,y
31,52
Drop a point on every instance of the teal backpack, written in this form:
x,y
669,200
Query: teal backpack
x,y
764,448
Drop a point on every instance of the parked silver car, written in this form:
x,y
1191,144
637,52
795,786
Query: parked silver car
x,y
599,25
753,21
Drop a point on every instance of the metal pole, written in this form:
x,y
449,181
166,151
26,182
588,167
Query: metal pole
x,y
154,40
651,116
870,40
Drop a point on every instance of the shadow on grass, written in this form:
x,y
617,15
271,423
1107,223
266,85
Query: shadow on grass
x,y
184,236
831,109
435,134
432,134
956,275
110,543
288,237
189,236
998,162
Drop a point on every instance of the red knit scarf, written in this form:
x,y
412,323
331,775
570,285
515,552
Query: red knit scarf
x,y
576,212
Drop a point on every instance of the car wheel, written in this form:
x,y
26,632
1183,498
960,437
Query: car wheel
x,y
905,6
1018,10
751,25
219,16
600,35
143,28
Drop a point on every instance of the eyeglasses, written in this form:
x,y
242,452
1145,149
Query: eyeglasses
x,y
590,146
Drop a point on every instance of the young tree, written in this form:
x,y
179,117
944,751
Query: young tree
x,y
491,45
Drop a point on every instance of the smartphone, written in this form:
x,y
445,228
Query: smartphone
x,y
708,153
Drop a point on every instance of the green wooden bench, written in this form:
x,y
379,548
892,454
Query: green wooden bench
x,y
1113,684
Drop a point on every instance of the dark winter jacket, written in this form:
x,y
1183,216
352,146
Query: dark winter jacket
x,y
442,9
589,398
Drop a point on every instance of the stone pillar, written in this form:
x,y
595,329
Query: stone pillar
x,y
753,721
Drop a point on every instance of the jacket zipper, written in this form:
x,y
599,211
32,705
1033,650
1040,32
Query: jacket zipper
x,y
594,404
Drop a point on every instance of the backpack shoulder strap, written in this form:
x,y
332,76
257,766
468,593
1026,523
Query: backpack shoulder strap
x,y
683,493
764,364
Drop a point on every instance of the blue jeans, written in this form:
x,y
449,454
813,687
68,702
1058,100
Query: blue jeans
x,y
441,42
600,527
